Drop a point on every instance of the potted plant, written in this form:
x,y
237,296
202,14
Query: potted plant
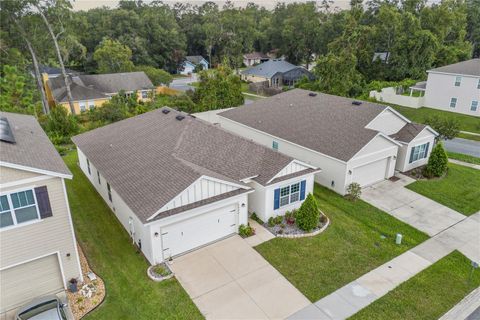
x,y
72,285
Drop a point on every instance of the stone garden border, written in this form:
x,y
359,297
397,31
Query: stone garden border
x,y
159,278
310,234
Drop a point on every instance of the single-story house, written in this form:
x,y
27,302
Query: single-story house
x,y
253,58
191,62
92,90
352,141
38,249
276,72
176,182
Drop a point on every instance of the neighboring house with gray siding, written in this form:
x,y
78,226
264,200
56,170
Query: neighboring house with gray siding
x,y
38,250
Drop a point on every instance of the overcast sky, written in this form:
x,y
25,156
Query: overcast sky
x,y
269,4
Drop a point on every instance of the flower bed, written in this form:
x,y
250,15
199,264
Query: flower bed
x,y
159,272
285,226
90,293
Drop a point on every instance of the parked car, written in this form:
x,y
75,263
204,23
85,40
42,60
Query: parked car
x,y
44,308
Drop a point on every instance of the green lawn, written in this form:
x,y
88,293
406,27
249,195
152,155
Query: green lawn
x,y
429,294
467,123
458,190
130,293
463,157
468,136
351,246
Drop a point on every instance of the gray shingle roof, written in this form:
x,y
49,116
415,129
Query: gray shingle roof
x,y
469,67
325,123
255,55
194,59
269,68
408,132
151,158
96,86
32,148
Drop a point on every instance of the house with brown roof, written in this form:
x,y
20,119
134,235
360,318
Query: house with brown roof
x,y
38,249
176,182
90,91
352,141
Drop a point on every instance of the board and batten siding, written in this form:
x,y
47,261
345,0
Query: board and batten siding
x,y
333,170
49,235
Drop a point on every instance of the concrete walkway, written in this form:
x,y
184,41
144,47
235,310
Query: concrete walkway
x,y
348,300
230,280
465,164
410,207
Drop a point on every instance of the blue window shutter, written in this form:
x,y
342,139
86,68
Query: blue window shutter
x,y
276,199
426,150
303,185
43,202
411,155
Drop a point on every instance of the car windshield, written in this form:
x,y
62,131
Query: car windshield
x,y
43,311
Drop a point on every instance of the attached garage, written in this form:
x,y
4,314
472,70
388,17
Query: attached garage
x,y
24,282
191,233
371,172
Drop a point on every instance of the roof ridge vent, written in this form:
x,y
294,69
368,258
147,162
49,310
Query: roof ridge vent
x,y
312,94
180,117
356,102
165,111
6,133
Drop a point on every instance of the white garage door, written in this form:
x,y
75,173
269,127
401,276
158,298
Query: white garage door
x,y
189,234
22,283
371,172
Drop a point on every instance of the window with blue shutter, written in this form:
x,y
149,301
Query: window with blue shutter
x,y
276,199
303,186
419,152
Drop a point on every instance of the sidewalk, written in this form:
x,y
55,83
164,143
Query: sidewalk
x,y
466,164
358,294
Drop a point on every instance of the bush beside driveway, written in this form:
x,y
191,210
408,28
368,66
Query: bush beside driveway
x,y
458,190
109,250
359,239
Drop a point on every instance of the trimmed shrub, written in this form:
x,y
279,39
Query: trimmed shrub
x,y
245,231
308,215
354,191
437,163
255,217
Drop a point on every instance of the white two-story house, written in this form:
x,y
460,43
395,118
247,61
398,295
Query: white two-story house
x,y
455,88
38,250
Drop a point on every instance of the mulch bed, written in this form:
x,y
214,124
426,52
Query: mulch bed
x,y
80,304
286,229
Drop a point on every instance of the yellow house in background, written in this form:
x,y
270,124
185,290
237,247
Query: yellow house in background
x,y
92,91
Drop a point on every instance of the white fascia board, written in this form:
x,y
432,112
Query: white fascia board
x,y
281,139
35,170
377,135
190,213
239,186
294,161
431,130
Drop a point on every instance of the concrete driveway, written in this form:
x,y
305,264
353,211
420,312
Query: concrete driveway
x,y
230,280
410,207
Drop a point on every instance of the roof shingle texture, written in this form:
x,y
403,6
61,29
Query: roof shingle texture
x,y
255,55
408,132
149,159
328,124
269,68
469,67
32,148
96,86
194,59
